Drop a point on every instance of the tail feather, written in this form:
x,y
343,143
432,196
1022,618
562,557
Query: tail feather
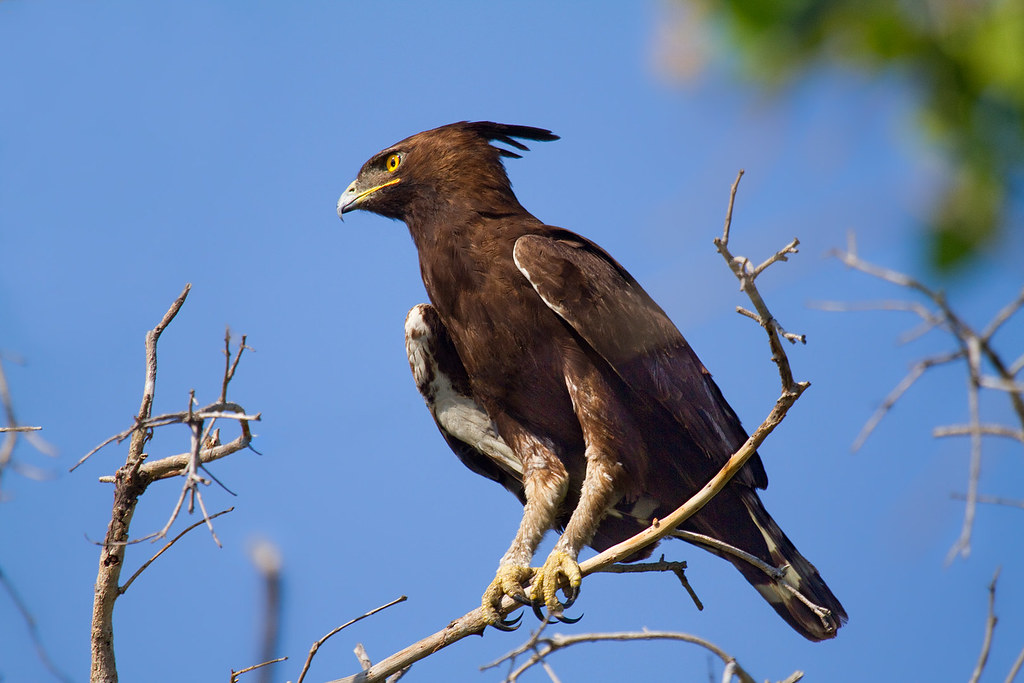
x,y
794,589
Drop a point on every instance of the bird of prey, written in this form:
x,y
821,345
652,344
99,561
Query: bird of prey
x,y
550,370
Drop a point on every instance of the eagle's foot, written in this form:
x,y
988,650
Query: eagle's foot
x,y
560,572
509,581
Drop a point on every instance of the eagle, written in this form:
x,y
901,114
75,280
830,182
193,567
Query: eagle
x,y
550,370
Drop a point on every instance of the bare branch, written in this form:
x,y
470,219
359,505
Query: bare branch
x,y
123,589
1002,316
780,255
975,349
742,270
991,500
677,568
131,481
990,625
364,659
33,630
1002,384
929,320
127,489
732,202
1015,669
236,674
985,429
551,644
897,393
13,431
1016,366
174,465
317,644
229,366
963,543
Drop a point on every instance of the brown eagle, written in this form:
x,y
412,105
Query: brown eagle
x,y
550,370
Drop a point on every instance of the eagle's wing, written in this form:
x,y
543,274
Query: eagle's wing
x,y
465,425
608,308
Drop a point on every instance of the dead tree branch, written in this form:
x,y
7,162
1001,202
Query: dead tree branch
x,y
977,351
992,500
13,432
236,674
990,627
473,622
33,630
545,646
131,481
337,629
677,568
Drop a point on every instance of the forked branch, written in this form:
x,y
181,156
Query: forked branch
x,y
976,349
132,479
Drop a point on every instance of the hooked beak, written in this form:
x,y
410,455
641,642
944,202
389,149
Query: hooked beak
x,y
352,197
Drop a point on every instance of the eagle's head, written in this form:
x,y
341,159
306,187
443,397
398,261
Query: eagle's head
x,y
446,166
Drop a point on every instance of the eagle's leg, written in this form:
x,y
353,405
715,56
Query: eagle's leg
x,y
545,481
561,571
602,483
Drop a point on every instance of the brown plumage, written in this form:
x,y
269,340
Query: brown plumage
x,y
549,369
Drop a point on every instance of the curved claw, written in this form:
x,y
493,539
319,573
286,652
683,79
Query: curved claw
x,y
560,572
566,620
571,594
522,599
536,611
508,625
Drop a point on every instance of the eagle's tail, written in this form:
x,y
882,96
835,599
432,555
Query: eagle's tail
x,y
797,592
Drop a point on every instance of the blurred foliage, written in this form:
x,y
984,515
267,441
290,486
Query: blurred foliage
x,y
965,57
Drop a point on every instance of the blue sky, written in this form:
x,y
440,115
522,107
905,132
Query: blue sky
x,y
146,145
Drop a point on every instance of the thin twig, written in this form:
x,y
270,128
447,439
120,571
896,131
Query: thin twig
x,y
990,625
236,674
530,644
777,574
145,565
985,429
553,643
991,500
1003,315
677,568
732,203
963,543
33,630
317,644
229,366
1015,669
904,385
14,431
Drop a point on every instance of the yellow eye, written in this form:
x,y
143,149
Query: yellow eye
x,y
393,162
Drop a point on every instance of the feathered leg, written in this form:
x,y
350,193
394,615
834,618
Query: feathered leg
x,y
545,481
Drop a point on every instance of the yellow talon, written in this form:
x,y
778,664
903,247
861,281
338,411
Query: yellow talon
x,y
509,580
560,572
